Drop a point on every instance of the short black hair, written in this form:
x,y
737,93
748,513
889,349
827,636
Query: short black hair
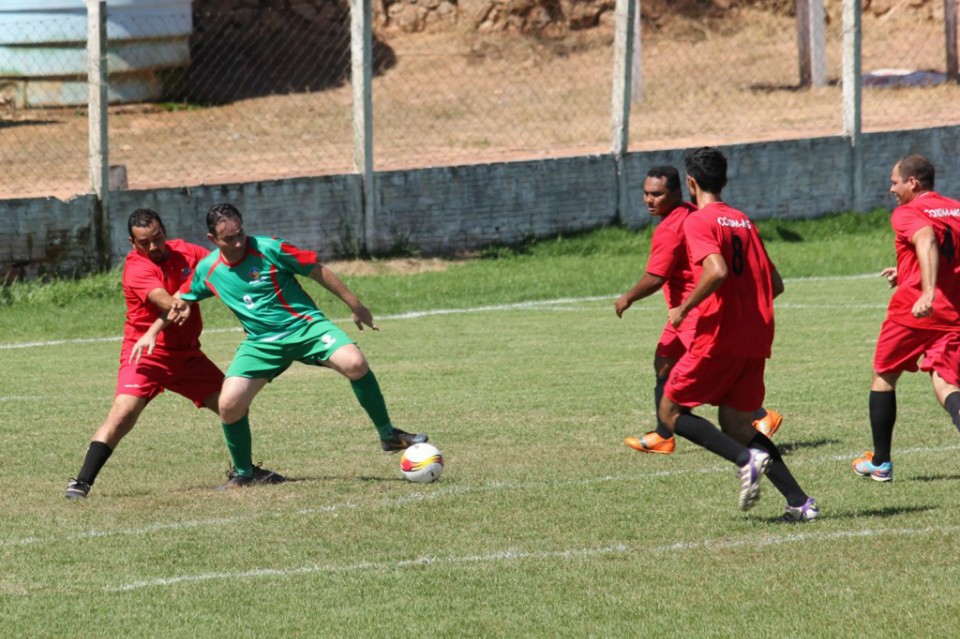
x,y
669,172
142,218
919,167
708,166
219,213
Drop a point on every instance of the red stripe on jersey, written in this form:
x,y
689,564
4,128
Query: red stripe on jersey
x,y
209,276
279,292
303,257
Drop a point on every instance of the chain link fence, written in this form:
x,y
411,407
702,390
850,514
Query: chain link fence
x,y
260,93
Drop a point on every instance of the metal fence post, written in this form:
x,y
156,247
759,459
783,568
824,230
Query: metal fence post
x,y
97,100
950,26
361,59
636,59
620,111
852,95
812,43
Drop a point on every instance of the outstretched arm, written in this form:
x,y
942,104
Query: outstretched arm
x,y
328,280
647,285
173,310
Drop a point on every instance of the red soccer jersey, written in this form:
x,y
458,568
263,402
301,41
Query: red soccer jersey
x,y
737,319
943,214
668,255
141,276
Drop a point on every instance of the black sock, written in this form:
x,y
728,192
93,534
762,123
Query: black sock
x,y
883,415
704,434
952,404
662,429
778,473
97,455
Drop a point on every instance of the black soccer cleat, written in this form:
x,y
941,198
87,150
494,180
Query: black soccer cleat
x,y
260,476
77,489
402,440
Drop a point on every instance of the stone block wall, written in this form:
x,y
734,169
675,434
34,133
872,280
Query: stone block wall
x,y
447,210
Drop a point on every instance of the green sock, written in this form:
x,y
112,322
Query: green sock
x,y
368,394
240,445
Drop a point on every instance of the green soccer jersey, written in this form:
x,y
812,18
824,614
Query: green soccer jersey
x,y
261,289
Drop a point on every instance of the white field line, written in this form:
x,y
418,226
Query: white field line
x,y
555,304
722,543
440,493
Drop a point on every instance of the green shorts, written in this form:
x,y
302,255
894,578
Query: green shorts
x,y
312,345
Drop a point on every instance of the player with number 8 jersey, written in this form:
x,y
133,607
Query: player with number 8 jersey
x,y
735,286
738,318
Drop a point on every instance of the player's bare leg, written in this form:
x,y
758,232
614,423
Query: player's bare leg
x,y
123,415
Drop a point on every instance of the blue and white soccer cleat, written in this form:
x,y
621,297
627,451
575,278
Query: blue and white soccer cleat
x,y
865,467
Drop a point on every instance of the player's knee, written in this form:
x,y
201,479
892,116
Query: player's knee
x,y
230,409
357,369
351,362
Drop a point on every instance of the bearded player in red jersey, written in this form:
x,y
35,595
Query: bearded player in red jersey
x,y
735,286
669,268
153,271
923,317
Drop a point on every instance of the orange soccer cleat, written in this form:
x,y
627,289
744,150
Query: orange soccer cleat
x,y
651,443
769,423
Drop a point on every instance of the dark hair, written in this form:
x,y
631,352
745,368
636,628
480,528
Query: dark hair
x,y
919,167
142,218
669,172
220,213
708,167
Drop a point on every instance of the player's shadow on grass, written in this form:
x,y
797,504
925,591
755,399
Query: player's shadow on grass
x,y
789,447
942,477
890,511
329,478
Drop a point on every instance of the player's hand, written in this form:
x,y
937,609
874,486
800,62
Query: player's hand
x,y
923,307
675,316
623,303
179,313
148,342
362,316
890,274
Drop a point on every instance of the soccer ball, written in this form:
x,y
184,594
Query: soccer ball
x,y
422,463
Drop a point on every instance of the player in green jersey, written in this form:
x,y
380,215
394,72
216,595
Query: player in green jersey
x,y
255,276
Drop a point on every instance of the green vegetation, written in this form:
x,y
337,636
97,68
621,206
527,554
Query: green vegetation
x,y
604,262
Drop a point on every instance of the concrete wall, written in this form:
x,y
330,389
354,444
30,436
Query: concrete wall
x,y
444,210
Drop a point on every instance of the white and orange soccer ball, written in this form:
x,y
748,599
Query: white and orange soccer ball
x,y
422,463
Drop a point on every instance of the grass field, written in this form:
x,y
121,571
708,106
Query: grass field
x,y
544,523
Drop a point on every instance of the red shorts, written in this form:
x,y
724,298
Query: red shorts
x,y
736,382
900,347
675,342
190,374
